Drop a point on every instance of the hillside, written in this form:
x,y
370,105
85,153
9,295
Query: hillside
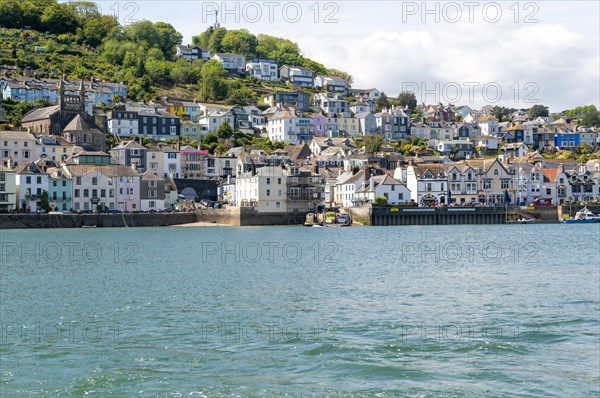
x,y
49,39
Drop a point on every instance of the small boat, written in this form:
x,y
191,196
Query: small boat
x,y
583,216
521,221
88,226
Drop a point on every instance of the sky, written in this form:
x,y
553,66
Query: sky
x,y
474,53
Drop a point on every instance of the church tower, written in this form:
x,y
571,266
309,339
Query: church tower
x,y
71,104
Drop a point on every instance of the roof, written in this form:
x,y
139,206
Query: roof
x,y
516,127
486,118
77,124
77,170
129,145
550,174
16,135
40,113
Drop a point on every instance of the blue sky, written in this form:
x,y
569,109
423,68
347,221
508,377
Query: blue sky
x,y
468,53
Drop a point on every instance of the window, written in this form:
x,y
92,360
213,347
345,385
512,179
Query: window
x,y
94,180
64,183
400,196
54,183
277,205
268,181
268,192
3,187
77,180
111,193
103,193
393,187
86,193
152,194
28,180
496,172
504,184
38,179
76,193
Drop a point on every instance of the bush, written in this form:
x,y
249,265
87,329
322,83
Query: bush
x,y
381,201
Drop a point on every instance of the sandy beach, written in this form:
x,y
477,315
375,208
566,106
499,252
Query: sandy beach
x,y
202,224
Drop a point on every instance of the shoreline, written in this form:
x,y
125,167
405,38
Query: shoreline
x,y
200,224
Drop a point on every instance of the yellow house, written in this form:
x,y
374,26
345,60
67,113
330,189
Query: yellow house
x,y
349,125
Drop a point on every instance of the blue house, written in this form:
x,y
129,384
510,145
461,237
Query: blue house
x,y
60,186
567,140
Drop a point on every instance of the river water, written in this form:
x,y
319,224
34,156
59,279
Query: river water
x,y
436,311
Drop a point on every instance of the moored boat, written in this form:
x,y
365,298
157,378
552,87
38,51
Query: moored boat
x,y
583,216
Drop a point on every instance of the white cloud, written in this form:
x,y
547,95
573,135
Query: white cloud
x,y
561,62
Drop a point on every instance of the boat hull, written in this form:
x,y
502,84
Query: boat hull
x,y
593,221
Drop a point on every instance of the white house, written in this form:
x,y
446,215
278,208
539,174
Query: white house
x,y
428,184
18,145
31,182
8,189
382,185
233,63
164,161
371,93
192,53
486,141
263,69
211,121
115,187
488,125
331,83
289,126
265,190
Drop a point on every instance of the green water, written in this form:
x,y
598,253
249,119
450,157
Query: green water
x,y
449,311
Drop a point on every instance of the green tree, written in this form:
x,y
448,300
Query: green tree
x,y
45,201
239,42
500,112
169,38
213,84
408,100
60,18
225,131
95,30
381,201
372,143
214,43
382,102
538,110
587,115
11,14
210,138
344,75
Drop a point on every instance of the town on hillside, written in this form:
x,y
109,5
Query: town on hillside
x,y
333,153
312,142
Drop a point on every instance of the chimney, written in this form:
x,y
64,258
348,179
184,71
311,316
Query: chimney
x,y
9,163
367,173
229,179
134,166
372,184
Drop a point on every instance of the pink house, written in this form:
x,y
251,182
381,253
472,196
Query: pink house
x,y
319,124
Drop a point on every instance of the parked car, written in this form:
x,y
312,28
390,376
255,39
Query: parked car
x,y
542,202
343,219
